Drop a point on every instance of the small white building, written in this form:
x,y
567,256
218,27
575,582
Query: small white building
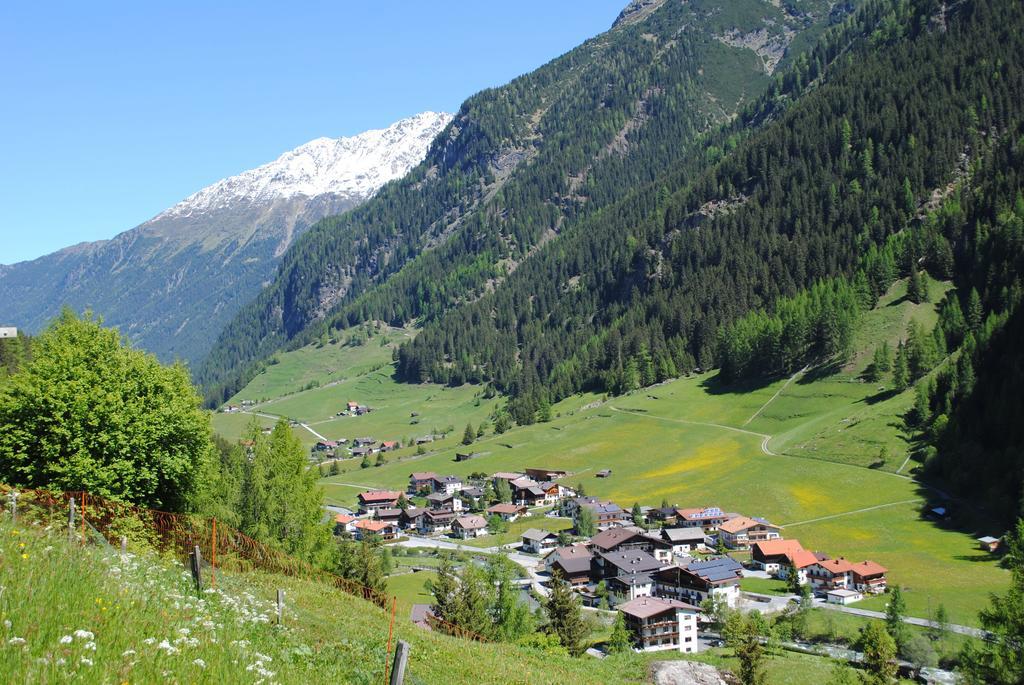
x,y
843,596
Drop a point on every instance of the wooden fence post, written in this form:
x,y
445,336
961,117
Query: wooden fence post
x,y
83,517
71,520
391,630
197,559
280,605
213,554
12,496
124,546
401,660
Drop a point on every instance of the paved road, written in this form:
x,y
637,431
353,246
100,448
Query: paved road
x,y
529,563
923,622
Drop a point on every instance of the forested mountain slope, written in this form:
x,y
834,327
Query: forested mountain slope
x,y
522,165
637,293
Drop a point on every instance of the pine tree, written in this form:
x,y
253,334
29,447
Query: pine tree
x,y
637,515
620,640
916,291
565,616
503,491
585,526
750,652
975,313
445,589
895,610
469,436
403,502
335,469
901,369
879,654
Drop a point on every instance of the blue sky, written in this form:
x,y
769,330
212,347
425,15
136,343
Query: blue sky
x,y
114,111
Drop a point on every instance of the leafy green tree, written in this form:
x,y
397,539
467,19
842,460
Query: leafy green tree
x,y
512,617
585,525
544,411
1000,660
620,640
403,502
90,413
918,650
901,369
445,588
365,463
469,435
917,286
879,654
565,616
282,504
380,459
843,674
335,469
503,491
502,422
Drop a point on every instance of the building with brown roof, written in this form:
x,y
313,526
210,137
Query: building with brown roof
x,y
507,511
368,527
377,499
470,526
869,576
741,532
658,624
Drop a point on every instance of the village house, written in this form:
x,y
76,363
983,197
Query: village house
x,y
364,442
436,521
684,540
777,557
390,514
507,511
708,518
420,481
699,580
628,587
869,577
573,569
989,544
611,564
448,484
444,500
472,495
665,515
575,551
506,476
658,624
368,527
470,526
538,541
607,514
389,445
411,517
372,500
344,523
741,532
351,406
621,539
830,574
325,446
361,451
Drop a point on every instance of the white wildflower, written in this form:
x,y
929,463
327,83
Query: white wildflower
x,y
200,663
84,635
7,623
128,652
149,641
66,640
184,631
85,661
91,646
167,647
16,641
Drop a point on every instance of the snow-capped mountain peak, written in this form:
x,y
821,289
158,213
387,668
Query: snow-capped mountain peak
x,y
354,166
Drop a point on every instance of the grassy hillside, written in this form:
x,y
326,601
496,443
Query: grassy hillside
x,y
794,450
138,620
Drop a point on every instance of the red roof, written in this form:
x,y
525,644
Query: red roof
x,y
839,565
344,518
379,495
373,526
422,475
790,549
869,568
504,508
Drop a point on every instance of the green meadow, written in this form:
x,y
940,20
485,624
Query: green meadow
x,y
823,453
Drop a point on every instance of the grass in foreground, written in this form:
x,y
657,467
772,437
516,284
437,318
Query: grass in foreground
x,y
68,615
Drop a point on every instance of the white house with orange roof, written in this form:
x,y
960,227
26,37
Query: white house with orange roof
x,y
741,532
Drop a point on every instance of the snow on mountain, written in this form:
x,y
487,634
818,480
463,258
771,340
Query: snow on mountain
x,y
353,166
